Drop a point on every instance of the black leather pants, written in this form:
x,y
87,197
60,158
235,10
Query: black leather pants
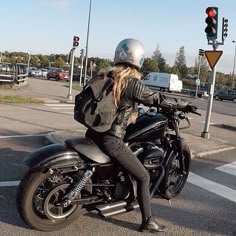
x,y
118,151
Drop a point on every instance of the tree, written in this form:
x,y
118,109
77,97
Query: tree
x,y
161,62
44,61
174,70
59,62
34,61
204,68
180,62
150,65
101,63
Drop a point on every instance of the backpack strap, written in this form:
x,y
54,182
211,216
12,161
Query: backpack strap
x,y
106,86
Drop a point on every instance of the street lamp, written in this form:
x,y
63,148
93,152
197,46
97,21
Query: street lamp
x,y
234,64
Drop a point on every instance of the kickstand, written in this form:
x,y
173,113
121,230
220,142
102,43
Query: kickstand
x,y
169,202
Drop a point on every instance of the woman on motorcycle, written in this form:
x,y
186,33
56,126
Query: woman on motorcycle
x,y
128,91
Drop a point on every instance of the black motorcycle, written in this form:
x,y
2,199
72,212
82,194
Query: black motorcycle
x,y
67,180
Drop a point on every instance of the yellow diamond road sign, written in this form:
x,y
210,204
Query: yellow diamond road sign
x,y
213,57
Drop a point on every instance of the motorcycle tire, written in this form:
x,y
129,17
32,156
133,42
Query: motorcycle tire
x,y
26,206
170,191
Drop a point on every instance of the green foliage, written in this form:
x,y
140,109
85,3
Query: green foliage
x,y
59,62
18,99
161,62
180,63
150,65
102,64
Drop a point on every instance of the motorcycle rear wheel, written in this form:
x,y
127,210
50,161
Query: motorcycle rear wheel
x,y
29,193
174,180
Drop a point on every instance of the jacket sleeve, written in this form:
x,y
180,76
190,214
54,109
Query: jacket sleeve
x,y
140,93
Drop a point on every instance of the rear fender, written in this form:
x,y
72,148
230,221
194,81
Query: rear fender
x,y
53,156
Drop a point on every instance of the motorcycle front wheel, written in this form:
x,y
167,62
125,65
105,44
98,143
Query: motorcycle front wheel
x,y
174,179
37,198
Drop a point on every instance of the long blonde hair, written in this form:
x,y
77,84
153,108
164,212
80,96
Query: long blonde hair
x,y
121,74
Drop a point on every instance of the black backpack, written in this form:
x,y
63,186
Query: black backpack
x,y
94,105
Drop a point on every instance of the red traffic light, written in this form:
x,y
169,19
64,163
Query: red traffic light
x,y
75,41
211,12
76,38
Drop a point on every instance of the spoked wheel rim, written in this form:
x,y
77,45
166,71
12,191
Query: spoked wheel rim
x,y
44,195
175,177
51,208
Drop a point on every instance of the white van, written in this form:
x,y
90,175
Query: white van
x,y
163,81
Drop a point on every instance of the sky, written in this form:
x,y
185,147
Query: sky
x,y
48,26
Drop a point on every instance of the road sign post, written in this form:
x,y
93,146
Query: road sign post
x,y
205,133
197,82
212,58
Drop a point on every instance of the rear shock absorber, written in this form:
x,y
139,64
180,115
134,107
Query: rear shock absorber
x,y
76,190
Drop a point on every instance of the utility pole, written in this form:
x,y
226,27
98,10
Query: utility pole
x,y
234,64
86,60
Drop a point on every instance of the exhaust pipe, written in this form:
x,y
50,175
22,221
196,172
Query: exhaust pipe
x,y
110,206
119,210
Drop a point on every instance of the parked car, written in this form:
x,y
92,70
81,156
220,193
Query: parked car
x,y
226,94
57,73
35,72
44,72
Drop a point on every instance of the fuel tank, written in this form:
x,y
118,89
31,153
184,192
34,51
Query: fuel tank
x,y
148,127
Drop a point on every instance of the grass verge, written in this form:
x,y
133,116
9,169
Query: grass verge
x,y
18,99
74,86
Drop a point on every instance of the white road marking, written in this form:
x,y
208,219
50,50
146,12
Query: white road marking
x,y
203,122
213,187
22,136
9,183
229,168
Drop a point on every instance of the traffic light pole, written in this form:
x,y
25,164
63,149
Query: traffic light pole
x,y
81,67
69,96
198,75
205,134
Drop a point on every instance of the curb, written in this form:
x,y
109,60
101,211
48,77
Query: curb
x,y
207,153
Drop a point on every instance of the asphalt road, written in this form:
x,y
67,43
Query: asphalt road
x,y
206,206
196,211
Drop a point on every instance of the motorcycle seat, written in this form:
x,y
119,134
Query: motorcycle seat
x,y
89,149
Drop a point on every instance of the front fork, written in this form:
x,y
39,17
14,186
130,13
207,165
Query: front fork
x,y
179,145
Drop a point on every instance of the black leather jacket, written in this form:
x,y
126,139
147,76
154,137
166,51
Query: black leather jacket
x,y
136,92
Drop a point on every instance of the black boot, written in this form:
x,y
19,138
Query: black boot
x,y
151,226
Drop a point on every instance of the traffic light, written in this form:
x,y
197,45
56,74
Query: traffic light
x,y
201,52
224,28
75,41
212,23
81,53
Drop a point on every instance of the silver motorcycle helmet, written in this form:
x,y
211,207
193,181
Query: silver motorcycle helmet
x,y
129,51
